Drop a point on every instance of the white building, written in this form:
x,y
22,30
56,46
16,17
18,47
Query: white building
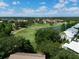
x,y
76,26
72,46
70,33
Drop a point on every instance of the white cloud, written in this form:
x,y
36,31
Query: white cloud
x,y
75,1
8,12
59,6
59,9
42,9
52,12
3,5
18,2
43,3
72,10
28,11
15,2
63,1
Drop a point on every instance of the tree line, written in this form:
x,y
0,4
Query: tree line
x,y
10,44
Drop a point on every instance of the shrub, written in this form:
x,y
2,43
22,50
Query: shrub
x,y
11,44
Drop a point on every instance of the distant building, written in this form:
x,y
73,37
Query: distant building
x,y
26,56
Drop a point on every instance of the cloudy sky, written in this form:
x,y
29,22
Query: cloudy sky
x,y
39,8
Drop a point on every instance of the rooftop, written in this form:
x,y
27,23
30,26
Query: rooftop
x,y
26,56
72,45
71,32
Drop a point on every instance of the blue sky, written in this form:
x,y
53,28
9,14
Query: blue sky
x,y
39,8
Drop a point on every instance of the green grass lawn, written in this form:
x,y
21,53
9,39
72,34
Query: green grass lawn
x,y
29,33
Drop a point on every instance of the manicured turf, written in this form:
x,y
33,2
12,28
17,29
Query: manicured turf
x,y
29,33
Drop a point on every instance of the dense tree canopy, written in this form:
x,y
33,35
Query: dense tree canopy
x,y
49,42
13,44
47,34
5,29
65,54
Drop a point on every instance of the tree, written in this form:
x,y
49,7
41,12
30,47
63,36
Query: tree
x,y
63,27
49,48
48,41
11,44
47,34
65,54
5,29
25,46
